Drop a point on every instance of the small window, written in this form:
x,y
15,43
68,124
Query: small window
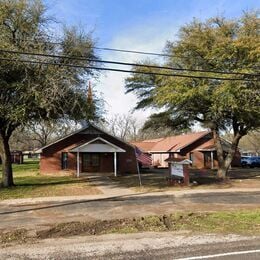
x,y
64,161
191,156
207,159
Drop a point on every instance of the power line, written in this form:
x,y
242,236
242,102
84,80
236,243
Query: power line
x,y
124,63
111,49
125,71
137,52
129,51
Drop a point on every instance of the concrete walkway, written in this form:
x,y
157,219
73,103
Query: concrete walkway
x,y
107,186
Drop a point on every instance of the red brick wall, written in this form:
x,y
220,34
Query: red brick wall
x,y
198,159
50,161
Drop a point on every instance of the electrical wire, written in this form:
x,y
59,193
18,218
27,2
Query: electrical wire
x,y
125,63
128,51
126,71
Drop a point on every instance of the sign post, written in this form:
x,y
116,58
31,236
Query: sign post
x,y
179,168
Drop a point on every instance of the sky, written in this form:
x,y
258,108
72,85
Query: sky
x,y
143,25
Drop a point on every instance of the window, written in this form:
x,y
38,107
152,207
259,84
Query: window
x,y
95,159
64,161
191,156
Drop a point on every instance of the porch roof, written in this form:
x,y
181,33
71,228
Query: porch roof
x,y
97,145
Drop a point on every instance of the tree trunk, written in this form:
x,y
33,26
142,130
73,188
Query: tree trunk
x,y
222,171
224,163
232,150
5,153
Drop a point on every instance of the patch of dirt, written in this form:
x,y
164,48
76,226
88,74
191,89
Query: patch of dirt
x,y
247,183
65,190
171,222
79,228
19,235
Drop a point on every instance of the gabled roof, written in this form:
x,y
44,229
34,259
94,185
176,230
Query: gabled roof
x,y
144,146
210,145
154,140
93,146
171,143
82,130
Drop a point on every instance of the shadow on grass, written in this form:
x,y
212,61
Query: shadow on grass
x,y
33,181
156,178
57,205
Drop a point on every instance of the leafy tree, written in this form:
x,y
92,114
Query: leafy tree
x,y
163,119
31,92
217,44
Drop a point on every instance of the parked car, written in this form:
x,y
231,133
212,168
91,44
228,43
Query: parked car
x,y
256,162
250,161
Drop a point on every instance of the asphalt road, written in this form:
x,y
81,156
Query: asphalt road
x,y
33,215
139,246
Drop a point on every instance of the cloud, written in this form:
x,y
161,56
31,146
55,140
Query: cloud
x,y
150,33
147,38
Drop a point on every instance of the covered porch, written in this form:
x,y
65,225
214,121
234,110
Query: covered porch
x,y
97,155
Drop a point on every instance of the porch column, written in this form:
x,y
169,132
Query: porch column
x,y
212,159
115,165
78,164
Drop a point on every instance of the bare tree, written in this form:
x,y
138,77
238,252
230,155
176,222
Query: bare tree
x,y
124,126
39,134
250,142
45,132
127,127
21,140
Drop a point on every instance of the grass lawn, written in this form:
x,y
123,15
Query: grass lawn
x,y
29,183
155,180
232,222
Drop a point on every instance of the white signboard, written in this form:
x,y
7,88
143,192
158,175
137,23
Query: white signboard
x,y
177,170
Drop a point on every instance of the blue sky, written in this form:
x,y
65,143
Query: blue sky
x,y
140,25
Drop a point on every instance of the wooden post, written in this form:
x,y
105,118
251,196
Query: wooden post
x,y
78,164
115,166
186,176
212,159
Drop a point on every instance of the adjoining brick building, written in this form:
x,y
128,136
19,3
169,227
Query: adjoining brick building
x,y
16,157
198,147
88,150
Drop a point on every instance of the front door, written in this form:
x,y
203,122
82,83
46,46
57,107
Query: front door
x,y
90,162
